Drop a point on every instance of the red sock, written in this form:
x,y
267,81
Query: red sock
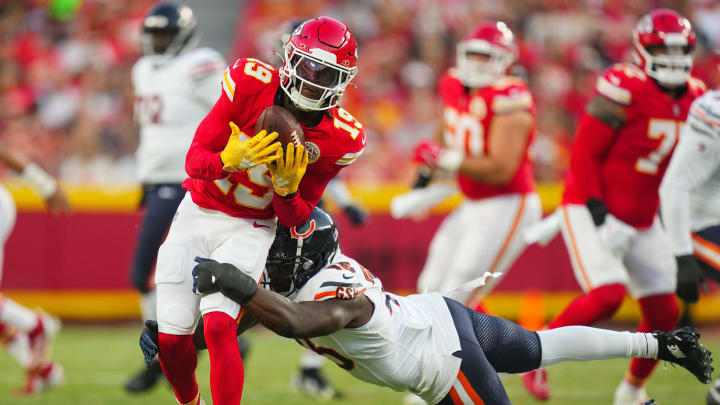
x,y
37,330
178,360
659,312
226,366
600,303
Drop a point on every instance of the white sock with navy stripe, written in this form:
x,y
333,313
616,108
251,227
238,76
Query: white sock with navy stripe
x,y
582,343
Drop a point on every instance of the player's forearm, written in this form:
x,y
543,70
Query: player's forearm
x,y
211,136
592,140
295,209
202,163
488,170
291,319
14,160
292,210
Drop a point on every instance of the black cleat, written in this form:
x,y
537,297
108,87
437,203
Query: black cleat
x,y
310,382
681,347
145,379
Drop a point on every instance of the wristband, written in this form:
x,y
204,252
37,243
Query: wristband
x,y
450,160
40,180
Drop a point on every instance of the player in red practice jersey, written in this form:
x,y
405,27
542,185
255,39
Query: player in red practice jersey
x,y
489,123
609,210
233,200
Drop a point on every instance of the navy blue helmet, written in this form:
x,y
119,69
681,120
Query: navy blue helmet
x,y
298,253
168,29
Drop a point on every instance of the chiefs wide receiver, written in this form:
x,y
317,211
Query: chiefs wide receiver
x,y
238,185
609,218
489,122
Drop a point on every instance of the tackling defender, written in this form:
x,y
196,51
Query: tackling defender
x,y
236,190
27,334
609,209
424,343
689,202
489,123
175,85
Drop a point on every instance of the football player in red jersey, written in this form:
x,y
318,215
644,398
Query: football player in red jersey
x,y
238,185
609,209
489,123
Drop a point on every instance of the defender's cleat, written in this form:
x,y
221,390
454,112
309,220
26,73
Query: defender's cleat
x,y
536,383
312,383
145,379
681,347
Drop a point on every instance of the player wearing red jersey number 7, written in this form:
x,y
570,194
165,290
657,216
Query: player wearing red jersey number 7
x,y
236,193
609,210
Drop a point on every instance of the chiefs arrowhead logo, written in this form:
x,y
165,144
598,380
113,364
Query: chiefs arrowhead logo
x,y
296,235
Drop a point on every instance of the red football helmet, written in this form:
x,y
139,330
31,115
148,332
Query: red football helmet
x,y
320,60
664,42
492,39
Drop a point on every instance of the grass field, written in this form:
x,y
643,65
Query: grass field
x,y
98,360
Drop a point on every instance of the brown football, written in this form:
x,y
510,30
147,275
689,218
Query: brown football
x,y
277,119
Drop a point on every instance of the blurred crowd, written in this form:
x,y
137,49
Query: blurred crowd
x,y
66,99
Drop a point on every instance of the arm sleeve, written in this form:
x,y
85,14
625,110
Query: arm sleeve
x,y
592,141
296,209
693,162
203,158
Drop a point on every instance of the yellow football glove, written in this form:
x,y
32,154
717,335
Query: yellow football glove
x,y
287,172
242,155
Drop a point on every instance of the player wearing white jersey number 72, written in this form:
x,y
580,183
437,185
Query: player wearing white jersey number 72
x,y
424,343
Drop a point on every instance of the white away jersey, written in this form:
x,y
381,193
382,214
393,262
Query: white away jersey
x,y
690,191
172,96
408,343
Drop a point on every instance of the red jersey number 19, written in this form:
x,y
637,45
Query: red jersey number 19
x,y
246,196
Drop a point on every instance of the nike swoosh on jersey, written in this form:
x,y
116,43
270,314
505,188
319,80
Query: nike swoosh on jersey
x,y
256,225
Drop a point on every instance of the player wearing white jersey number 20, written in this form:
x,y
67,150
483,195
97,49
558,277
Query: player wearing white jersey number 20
x,y
425,343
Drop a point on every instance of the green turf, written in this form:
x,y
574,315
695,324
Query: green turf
x,y
98,360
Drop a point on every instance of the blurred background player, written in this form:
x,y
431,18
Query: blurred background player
x,y
175,85
27,334
609,210
689,203
489,123
240,186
